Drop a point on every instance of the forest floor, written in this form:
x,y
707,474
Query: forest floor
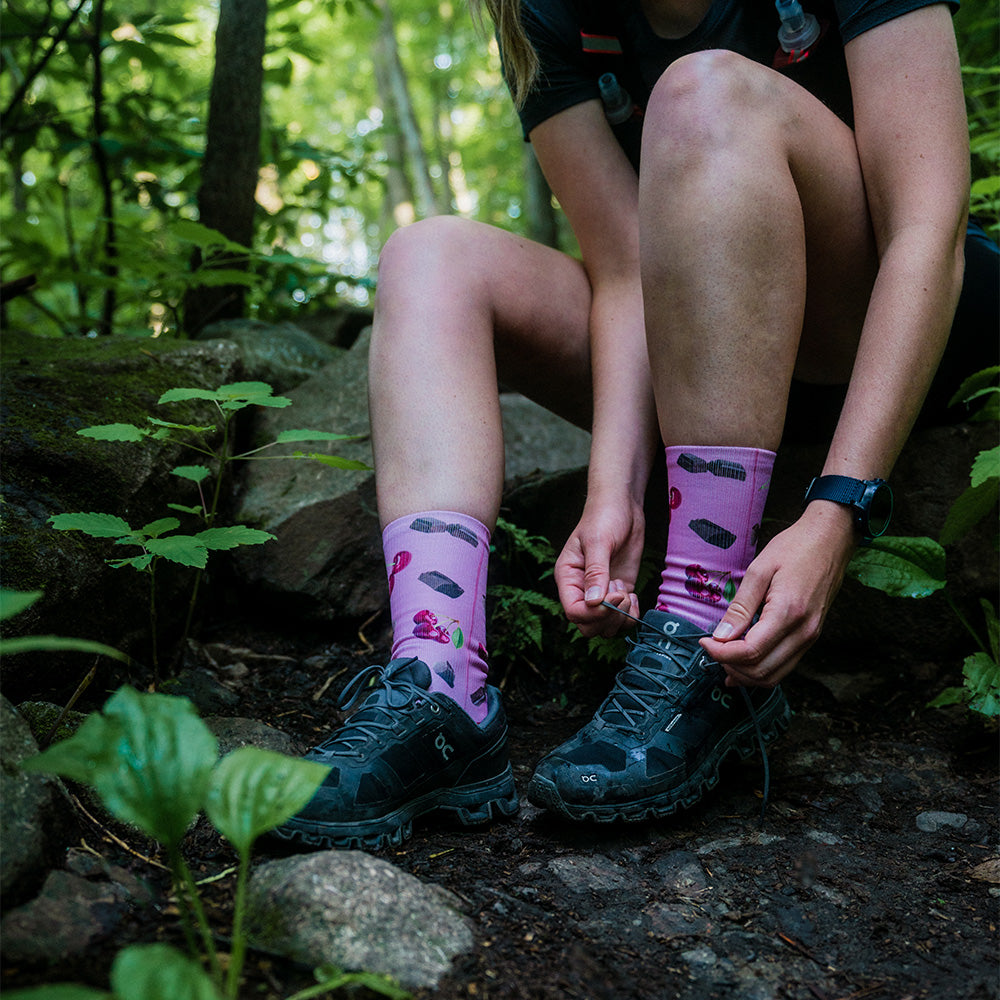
x,y
875,874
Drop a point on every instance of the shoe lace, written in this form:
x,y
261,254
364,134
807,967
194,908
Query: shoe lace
x,y
383,693
682,653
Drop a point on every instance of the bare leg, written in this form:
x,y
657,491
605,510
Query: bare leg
x,y
757,253
459,304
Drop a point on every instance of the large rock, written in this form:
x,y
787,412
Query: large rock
x,y
32,827
51,389
359,913
328,559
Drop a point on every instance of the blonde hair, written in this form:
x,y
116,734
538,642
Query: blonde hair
x,y
519,57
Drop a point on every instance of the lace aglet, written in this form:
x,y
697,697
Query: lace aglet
x,y
614,607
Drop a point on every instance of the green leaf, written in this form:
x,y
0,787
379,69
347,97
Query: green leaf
x,y
992,627
900,567
457,638
58,991
196,473
114,432
306,435
95,525
156,528
183,509
159,972
162,763
986,466
949,696
183,549
982,682
195,428
184,395
232,536
335,461
57,644
253,791
968,510
219,277
90,750
13,602
139,562
974,383
201,236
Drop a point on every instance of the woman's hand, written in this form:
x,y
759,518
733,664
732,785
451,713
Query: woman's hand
x,y
792,583
600,562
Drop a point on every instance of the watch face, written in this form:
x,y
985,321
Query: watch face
x,y
879,509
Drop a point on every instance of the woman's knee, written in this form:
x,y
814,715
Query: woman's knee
x,y
703,102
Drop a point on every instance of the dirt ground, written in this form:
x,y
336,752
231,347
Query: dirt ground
x,y
874,875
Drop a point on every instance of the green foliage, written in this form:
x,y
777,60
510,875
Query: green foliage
x,y
187,549
155,765
915,567
13,602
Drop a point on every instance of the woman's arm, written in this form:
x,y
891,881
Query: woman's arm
x,y
598,191
912,141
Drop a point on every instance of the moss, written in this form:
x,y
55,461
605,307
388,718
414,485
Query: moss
x,y
41,716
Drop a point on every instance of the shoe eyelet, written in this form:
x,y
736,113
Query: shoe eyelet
x,y
434,708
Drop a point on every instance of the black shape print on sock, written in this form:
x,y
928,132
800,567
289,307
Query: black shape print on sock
x,y
478,696
721,467
442,584
711,532
432,526
446,672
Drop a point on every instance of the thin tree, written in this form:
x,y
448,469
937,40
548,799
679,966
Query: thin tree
x,y
232,151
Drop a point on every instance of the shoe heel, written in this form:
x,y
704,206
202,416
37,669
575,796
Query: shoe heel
x,y
477,804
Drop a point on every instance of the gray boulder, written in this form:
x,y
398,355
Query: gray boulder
x,y
32,827
359,913
51,389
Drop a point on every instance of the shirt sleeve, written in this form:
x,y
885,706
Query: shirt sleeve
x,y
858,16
562,78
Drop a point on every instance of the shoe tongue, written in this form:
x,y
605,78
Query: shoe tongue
x,y
409,669
670,626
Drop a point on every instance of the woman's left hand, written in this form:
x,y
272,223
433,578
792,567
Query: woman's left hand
x,y
792,584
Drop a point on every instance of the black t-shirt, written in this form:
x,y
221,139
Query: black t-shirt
x,y
568,75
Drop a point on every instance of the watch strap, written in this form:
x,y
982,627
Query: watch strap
x,y
839,489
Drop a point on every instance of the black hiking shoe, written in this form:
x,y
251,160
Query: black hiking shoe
x,y
656,743
405,752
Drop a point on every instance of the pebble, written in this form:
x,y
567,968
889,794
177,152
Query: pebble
x,y
932,822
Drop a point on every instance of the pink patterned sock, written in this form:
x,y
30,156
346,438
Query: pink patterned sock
x,y
436,561
717,498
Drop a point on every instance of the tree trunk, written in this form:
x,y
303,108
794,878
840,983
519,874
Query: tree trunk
x,y
543,223
232,151
387,51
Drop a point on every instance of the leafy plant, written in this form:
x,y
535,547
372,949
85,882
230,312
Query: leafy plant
x,y
915,567
155,539
155,765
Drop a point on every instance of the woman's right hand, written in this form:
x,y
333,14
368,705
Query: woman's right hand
x,y
600,562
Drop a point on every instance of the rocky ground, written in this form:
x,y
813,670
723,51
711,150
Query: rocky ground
x,y
875,873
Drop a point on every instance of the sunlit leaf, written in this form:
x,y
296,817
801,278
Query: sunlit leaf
x,y
306,435
93,524
156,528
334,461
183,509
114,432
900,567
196,473
232,536
195,428
139,562
969,509
986,466
183,549
253,791
57,644
201,236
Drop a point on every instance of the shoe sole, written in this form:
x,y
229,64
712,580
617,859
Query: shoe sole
x,y
774,718
473,805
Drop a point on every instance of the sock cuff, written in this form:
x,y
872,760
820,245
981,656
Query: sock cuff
x,y
434,522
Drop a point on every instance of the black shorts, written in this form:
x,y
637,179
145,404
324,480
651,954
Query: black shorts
x,y
974,344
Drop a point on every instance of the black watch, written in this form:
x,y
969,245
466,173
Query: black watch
x,y
870,498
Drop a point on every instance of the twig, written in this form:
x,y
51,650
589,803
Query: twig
x,y
803,950
81,687
368,647
117,840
